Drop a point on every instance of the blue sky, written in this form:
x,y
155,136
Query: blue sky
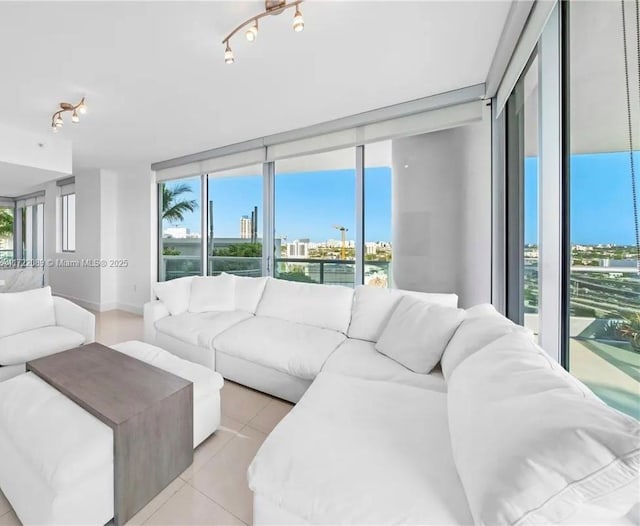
x,y
600,194
309,204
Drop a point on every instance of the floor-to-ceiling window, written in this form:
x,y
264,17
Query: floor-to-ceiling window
x,y
181,225
29,229
378,248
6,234
522,205
315,218
234,217
604,300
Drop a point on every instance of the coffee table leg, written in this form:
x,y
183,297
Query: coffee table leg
x,y
150,451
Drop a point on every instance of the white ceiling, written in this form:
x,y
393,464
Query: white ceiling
x,y
157,86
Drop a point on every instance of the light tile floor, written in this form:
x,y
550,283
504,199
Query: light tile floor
x,y
214,489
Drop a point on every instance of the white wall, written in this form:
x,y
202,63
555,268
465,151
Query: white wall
x,y
442,212
137,231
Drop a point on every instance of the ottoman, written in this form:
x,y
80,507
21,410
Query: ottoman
x,y
57,460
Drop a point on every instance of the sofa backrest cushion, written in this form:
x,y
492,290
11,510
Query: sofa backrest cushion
x,y
248,292
533,445
26,311
481,326
324,306
212,294
373,306
418,332
175,294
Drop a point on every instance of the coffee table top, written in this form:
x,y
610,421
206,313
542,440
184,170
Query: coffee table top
x,y
110,385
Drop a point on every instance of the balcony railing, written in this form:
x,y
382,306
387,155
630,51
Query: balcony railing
x,y
322,271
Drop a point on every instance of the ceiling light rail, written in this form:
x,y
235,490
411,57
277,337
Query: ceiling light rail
x,y
271,8
75,109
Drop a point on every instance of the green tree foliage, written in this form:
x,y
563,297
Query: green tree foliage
x,y
174,205
6,222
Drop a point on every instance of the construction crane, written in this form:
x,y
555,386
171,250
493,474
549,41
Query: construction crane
x,y
343,235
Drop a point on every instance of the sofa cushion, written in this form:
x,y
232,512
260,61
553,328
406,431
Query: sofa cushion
x,y
292,348
359,358
532,444
212,293
417,333
325,306
481,326
174,294
373,306
29,345
248,292
355,451
25,311
189,326
61,441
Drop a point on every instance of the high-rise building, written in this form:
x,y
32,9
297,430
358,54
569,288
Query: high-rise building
x,y
246,228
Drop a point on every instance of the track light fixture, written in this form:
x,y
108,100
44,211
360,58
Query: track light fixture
x,y
75,109
271,7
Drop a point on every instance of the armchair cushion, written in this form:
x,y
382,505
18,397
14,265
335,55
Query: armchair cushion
x,y
29,345
25,311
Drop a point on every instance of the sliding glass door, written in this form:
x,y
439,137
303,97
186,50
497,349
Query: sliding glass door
x,y
604,328
315,218
6,234
180,224
234,217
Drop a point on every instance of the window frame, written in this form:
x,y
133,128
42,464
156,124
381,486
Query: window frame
x,y
64,214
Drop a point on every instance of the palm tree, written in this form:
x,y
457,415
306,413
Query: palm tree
x,y
174,208
6,222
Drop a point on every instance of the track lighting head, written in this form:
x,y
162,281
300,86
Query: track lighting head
x,y
74,117
298,21
252,32
228,55
58,122
82,107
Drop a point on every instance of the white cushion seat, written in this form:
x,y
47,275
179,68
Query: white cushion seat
x,y
293,348
22,347
360,358
357,451
188,326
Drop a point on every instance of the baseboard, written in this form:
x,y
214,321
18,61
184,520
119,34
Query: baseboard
x,y
133,309
103,307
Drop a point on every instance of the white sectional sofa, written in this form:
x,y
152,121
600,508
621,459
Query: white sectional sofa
x,y
274,335
409,411
35,324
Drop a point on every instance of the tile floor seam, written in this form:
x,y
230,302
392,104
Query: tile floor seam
x,y
222,448
216,502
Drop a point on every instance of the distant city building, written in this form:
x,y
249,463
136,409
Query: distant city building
x,y
246,227
298,249
180,233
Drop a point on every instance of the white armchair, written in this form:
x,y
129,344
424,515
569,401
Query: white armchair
x,y
34,324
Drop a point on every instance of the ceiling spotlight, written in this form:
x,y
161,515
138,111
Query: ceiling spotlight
x,y
252,32
54,128
271,7
298,21
74,109
228,55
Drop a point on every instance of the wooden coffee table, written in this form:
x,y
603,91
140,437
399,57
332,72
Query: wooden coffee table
x,y
149,410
